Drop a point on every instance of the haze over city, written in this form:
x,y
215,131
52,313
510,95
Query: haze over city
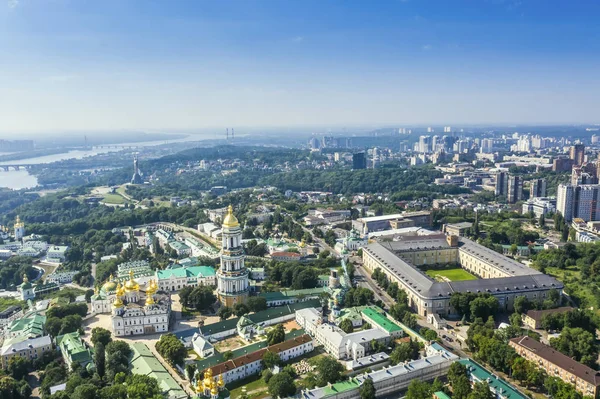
x,y
109,65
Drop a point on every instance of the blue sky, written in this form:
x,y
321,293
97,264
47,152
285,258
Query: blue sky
x,y
69,65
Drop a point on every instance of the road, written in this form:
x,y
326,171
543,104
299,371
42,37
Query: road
x,y
363,278
319,241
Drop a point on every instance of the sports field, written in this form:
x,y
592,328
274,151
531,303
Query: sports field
x,y
456,274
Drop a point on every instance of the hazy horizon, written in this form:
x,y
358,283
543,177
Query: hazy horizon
x,y
71,67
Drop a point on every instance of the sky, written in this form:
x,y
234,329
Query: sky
x,y
69,65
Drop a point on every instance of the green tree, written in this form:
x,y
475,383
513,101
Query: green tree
x,y
281,385
405,351
85,391
224,312
141,386
228,355
578,344
521,304
101,335
481,390
18,367
171,349
270,360
519,369
117,358
276,335
347,326
100,359
328,370
418,389
240,309
257,303
409,320
459,380
367,389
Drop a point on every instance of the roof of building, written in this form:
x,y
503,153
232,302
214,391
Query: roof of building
x,y
244,350
186,271
369,360
75,348
538,314
560,360
522,277
21,344
9,311
285,254
461,225
32,325
258,355
287,294
498,384
378,318
144,362
441,395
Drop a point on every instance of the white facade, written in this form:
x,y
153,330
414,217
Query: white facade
x,y
61,277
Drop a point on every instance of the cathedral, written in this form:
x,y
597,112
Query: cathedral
x,y
133,312
232,278
210,388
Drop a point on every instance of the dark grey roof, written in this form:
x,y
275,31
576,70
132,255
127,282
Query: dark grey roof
x,y
495,259
523,278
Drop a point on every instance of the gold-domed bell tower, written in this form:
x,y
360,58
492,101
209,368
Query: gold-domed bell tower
x,y
232,276
207,382
214,391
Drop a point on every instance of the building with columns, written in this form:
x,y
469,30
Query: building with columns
x,y
232,277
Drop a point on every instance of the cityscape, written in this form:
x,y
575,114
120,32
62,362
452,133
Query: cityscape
x,y
316,200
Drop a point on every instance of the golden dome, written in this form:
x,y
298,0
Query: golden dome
x,y
213,389
118,303
221,382
230,219
152,287
207,379
110,285
120,291
131,285
149,300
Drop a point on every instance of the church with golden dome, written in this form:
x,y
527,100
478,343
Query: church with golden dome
x,y
232,277
210,387
134,311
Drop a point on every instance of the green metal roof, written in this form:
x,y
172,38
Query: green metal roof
x,y
343,386
287,294
441,395
478,373
74,347
189,272
144,362
381,320
31,325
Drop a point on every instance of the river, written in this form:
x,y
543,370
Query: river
x,y
18,179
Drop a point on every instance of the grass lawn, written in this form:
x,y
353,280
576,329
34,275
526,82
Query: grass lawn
x,y
113,199
456,274
254,383
6,302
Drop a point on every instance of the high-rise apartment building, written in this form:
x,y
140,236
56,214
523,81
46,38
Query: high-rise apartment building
x,y
515,189
501,184
578,202
359,161
537,188
577,154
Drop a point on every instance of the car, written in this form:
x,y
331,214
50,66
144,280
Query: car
x,y
444,336
448,339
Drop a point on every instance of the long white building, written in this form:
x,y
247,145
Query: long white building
x,y
388,380
498,275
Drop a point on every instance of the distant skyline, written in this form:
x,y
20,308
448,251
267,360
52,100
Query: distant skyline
x,y
158,65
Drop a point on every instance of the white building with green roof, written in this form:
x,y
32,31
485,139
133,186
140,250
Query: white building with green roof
x,y
75,350
175,279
